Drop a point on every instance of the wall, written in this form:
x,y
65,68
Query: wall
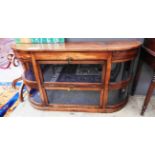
x,y
99,39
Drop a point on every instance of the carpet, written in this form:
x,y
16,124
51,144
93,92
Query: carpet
x,y
8,98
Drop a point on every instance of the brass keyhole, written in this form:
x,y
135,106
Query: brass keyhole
x,y
70,88
69,60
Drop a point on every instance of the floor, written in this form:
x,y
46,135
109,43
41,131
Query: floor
x,y
8,75
132,109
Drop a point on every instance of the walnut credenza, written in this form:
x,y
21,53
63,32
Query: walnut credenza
x,y
88,76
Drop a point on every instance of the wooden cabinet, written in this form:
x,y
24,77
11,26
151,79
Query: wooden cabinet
x,y
88,77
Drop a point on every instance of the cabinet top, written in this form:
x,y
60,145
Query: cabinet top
x,y
79,46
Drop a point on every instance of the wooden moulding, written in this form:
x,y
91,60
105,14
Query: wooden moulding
x,y
118,106
23,57
39,81
119,56
73,86
64,86
79,108
119,85
56,86
77,85
106,80
32,84
78,47
72,62
63,56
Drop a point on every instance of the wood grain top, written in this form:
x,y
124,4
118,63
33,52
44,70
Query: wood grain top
x,y
79,46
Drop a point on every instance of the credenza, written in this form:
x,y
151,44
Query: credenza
x,y
85,77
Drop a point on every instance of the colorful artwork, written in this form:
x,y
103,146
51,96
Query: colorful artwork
x,y
8,98
5,49
39,40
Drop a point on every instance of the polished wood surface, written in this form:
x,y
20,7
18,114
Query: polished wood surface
x,y
83,46
103,53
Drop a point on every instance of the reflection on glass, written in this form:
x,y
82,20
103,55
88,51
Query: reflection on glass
x,y
116,96
29,73
73,97
72,73
121,71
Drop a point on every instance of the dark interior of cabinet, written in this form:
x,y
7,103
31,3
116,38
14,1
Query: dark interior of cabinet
x,y
82,73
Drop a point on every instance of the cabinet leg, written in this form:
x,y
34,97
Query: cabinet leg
x,y
15,81
21,98
149,94
136,78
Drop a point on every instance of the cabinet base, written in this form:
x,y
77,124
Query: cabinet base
x,y
79,108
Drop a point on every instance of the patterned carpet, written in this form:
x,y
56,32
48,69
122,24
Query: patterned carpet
x,y
8,98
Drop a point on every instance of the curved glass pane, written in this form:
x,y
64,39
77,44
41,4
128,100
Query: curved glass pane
x,y
116,96
29,73
68,97
35,96
121,71
72,73
73,97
